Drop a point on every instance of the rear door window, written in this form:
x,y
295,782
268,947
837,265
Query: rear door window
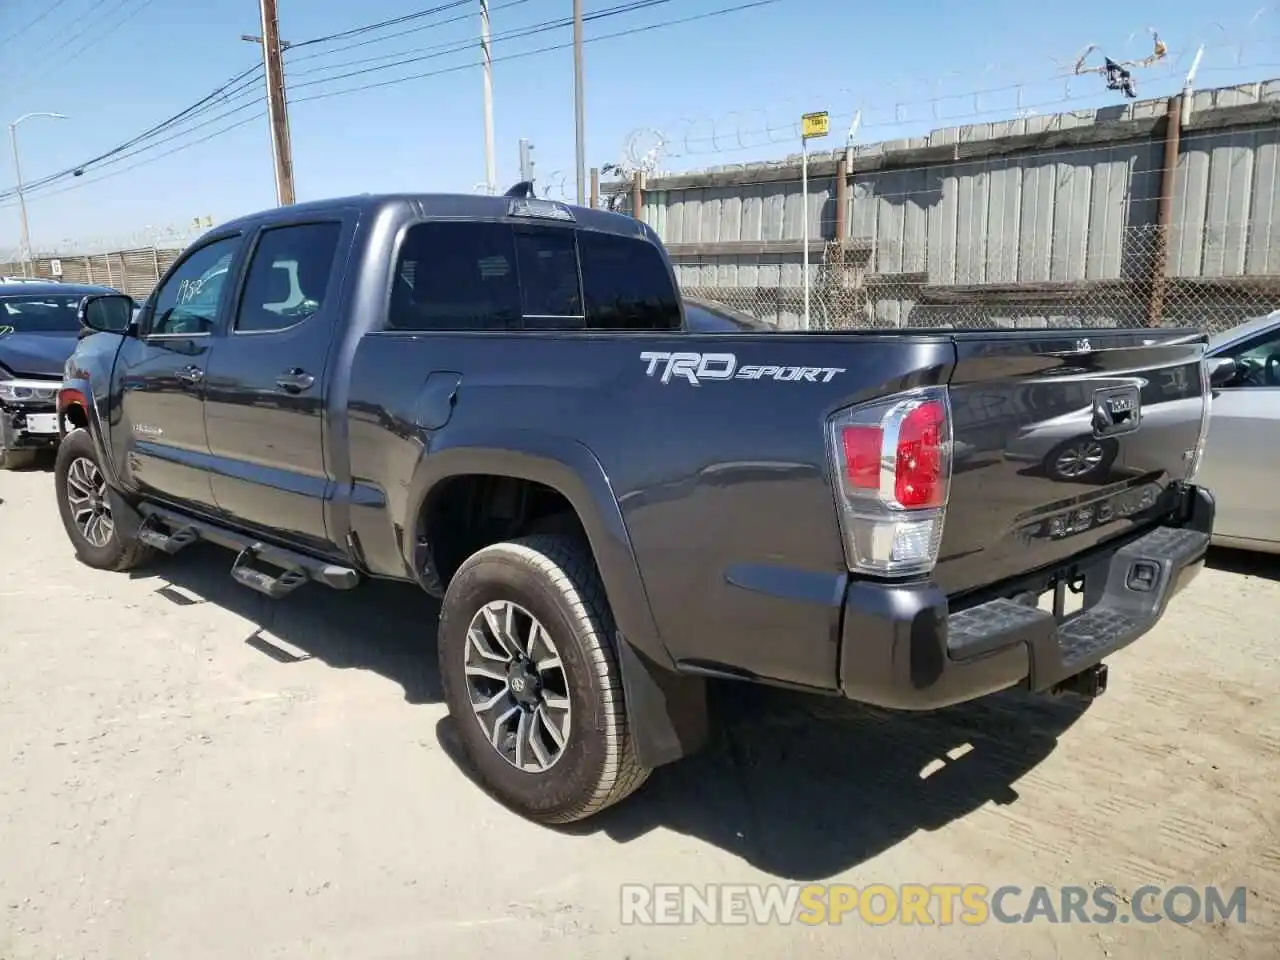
x,y
456,276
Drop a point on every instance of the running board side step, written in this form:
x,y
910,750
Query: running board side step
x,y
151,535
295,569
273,585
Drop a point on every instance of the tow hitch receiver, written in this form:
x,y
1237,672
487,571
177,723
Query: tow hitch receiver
x,y
1089,683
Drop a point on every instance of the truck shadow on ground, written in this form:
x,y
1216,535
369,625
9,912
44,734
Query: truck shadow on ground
x,y
388,628
804,788
801,787
1245,563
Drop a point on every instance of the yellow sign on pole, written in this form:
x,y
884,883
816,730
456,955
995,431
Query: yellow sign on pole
x,y
815,125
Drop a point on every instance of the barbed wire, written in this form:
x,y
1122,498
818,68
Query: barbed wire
x,y
742,130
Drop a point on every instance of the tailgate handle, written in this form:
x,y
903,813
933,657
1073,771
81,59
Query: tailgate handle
x,y
1116,410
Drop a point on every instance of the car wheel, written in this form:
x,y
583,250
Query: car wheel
x,y
1080,459
532,680
81,488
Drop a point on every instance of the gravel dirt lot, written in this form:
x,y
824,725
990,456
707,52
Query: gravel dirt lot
x,y
188,770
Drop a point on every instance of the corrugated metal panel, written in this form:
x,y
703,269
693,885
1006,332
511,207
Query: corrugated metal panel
x,y
1263,256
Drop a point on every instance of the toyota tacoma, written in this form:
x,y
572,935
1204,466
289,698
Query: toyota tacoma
x,y
498,398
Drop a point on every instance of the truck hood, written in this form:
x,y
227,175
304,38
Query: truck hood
x,y
36,354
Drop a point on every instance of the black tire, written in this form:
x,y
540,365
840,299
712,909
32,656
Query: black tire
x,y
115,554
555,579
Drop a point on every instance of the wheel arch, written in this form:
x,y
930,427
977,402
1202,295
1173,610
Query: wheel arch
x,y
78,410
667,709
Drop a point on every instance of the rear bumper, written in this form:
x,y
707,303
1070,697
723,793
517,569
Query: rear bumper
x,y
902,648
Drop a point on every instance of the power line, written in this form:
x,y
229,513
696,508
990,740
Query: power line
x,y
55,58
381,24
229,92
723,11
117,154
178,149
32,22
291,57
88,24
147,139
457,46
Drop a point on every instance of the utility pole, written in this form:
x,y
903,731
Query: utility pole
x,y
277,108
27,266
486,55
526,160
579,104
22,203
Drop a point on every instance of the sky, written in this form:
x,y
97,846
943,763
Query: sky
x,y
719,88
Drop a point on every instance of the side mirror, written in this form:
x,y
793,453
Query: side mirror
x,y
107,313
1222,370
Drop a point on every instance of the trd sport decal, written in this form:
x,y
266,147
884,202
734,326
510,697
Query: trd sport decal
x,y
5,329
696,367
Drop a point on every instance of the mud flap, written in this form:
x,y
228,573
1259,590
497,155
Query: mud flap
x,y
667,711
128,520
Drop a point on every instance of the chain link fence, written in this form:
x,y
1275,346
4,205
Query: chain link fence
x,y
1221,278
854,287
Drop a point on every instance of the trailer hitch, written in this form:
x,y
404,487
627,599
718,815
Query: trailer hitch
x,y
1088,683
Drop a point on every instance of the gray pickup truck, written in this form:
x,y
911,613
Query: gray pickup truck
x,y
499,399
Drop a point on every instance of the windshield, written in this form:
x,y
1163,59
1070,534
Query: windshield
x,y
49,313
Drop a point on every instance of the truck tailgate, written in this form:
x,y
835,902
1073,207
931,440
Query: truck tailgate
x,y
1062,440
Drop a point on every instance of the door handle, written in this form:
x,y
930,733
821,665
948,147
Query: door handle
x,y
191,374
295,380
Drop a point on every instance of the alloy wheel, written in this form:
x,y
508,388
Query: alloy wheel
x,y
87,497
517,686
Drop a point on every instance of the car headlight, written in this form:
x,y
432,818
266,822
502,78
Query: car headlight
x,y
23,391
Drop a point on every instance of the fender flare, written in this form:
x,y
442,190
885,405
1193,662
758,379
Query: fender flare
x,y
94,426
571,469
667,710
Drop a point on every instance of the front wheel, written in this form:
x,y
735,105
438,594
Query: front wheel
x,y
532,680
81,487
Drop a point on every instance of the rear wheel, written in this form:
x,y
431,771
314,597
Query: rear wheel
x,y
532,680
81,487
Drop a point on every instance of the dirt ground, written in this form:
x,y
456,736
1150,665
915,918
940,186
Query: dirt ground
x,y
188,770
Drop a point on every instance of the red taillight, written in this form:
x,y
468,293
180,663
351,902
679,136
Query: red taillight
x,y
918,471
892,478
862,456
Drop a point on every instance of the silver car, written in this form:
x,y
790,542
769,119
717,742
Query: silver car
x,y
1241,462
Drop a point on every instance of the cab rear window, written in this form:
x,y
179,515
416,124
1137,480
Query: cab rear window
x,y
503,277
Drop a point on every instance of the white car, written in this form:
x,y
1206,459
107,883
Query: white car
x,y
1242,454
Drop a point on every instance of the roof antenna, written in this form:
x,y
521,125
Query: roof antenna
x,y
521,190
